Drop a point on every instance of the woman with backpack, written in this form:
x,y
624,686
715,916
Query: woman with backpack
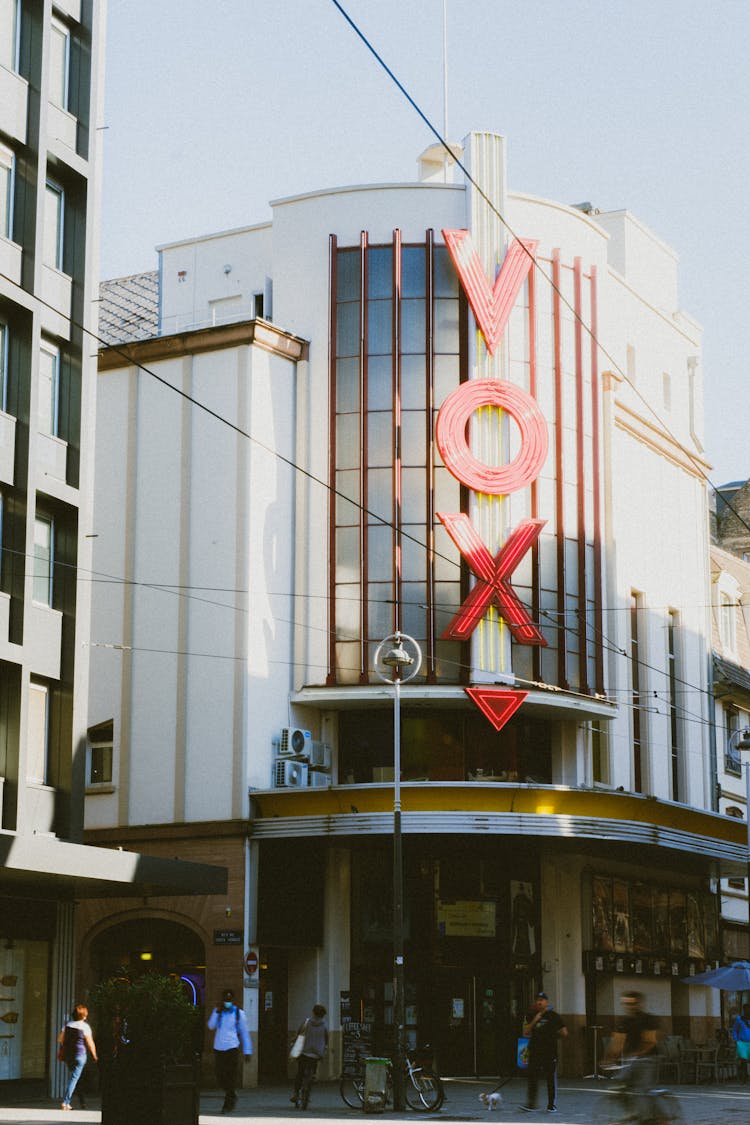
x,y
76,1042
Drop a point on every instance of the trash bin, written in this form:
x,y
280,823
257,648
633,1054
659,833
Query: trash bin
x,y
376,1085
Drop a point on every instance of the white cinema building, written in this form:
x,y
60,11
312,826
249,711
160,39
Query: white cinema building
x,y
279,488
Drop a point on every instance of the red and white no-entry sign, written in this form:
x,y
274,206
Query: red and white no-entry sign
x,y
251,962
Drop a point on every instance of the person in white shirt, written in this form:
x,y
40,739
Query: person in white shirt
x,y
229,1025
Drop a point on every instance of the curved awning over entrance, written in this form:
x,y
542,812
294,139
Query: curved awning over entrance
x,y
594,821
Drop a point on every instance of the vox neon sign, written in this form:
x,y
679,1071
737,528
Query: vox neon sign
x,y
492,306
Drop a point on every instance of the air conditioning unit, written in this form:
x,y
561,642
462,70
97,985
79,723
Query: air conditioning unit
x,y
316,779
289,774
294,742
320,756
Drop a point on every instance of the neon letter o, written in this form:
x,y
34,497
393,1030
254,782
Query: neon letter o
x,y
450,433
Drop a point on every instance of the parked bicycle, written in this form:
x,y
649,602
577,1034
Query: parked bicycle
x,y
654,1105
423,1090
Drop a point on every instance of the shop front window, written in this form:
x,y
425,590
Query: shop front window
x,y
450,746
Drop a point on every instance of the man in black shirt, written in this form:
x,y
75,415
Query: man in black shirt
x,y
634,1041
544,1028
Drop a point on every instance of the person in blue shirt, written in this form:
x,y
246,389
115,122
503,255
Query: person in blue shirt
x,y
229,1025
741,1036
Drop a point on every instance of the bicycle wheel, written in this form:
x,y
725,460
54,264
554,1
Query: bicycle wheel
x,y
351,1089
411,1091
424,1091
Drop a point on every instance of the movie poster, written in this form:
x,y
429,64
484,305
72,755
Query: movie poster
x,y
601,913
696,944
661,922
711,927
623,942
523,919
677,923
643,921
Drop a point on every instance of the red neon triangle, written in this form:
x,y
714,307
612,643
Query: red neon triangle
x,y
497,706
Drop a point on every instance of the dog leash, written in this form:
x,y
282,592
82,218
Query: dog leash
x,y
503,1082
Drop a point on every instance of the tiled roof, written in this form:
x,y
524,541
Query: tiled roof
x,y
728,673
129,308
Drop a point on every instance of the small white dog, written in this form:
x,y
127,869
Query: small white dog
x,y
492,1101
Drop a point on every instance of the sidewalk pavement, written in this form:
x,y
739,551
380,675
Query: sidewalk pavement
x,y
580,1102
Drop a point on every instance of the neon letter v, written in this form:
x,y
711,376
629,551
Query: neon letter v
x,y
491,305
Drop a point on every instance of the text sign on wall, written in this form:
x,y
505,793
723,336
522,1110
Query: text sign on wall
x,y
466,918
227,937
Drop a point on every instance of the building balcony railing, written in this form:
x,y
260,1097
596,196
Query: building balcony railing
x,y
733,763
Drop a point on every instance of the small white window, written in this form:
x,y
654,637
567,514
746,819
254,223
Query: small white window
x,y
38,742
725,596
630,363
7,180
44,545
49,387
99,757
727,622
732,758
10,28
225,309
59,63
258,305
666,389
54,218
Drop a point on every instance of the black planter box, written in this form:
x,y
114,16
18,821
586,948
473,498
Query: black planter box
x,y
135,1092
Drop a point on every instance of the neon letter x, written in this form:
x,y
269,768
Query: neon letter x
x,y
493,586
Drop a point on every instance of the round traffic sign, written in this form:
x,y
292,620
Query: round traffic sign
x,y
251,962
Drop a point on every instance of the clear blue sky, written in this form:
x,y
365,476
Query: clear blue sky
x,y
214,108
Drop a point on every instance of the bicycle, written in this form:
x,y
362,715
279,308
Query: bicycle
x,y
648,1105
423,1090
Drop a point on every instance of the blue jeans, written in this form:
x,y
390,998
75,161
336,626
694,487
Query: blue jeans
x,y
76,1070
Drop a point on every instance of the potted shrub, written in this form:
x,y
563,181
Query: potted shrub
x,y
146,1032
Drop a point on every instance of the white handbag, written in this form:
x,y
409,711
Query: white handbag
x,y
296,1048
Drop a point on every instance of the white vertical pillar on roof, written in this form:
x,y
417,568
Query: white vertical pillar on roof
x,y
484,157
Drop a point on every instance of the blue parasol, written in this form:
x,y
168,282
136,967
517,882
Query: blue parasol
x,y
732,978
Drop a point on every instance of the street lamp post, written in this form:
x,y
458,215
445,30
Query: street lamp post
x,y
398,658
740,740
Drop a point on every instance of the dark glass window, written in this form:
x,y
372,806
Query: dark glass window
x,y
386,375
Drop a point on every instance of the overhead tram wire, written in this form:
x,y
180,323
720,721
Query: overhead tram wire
x,y
535,264
331,488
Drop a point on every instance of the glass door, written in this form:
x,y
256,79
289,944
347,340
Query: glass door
x,y
11,1012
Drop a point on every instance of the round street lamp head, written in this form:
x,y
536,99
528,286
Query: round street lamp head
x,y
744,742
398,657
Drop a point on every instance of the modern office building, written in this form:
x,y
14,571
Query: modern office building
x,y
50,92
472,416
